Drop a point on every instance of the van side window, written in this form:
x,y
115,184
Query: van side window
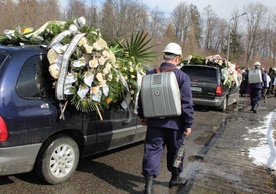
x,y
34,80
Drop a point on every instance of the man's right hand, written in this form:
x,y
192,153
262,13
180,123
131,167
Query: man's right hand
x,y
187,131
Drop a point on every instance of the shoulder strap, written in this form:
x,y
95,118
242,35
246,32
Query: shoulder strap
x,y
166,70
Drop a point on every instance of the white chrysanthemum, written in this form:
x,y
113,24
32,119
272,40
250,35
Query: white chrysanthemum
x,y
102,43
131,70
110,77
88,78
132,76
83,89
93,63
132,92
97,46
108,66
94,90
105,71
88,48
112,57
105,53
54,70
116,65
99,77
52,56
102,83
82,41
102,60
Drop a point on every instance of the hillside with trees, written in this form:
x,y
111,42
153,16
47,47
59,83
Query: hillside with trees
x,y
251,37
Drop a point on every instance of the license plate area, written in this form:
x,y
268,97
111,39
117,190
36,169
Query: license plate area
x,y
196,89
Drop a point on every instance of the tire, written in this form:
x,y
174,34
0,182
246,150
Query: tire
x,y
57,159
223,105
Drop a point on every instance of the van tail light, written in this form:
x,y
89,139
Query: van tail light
x,y
3,130
218,91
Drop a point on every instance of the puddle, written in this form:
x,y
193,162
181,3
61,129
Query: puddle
x,y
195,158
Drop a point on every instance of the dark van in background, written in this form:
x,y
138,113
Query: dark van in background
x,y
207,87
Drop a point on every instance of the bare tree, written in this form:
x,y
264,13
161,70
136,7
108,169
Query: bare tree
x,y
272,37
106,24
210,33
76,9
255,15
8,18
181,21
126,16
50,10
157,25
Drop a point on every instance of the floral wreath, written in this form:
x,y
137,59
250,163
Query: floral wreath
x,y
230,76
93,78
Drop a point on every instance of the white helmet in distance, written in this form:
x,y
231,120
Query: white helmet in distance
x,y
173,48
257,64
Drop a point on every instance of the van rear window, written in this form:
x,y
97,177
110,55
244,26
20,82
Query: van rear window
x,y
200,74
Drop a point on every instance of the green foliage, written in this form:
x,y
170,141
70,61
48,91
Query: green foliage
x,y
195,59
138,48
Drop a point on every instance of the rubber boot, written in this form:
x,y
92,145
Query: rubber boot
x,y
149,185
177,181
255,108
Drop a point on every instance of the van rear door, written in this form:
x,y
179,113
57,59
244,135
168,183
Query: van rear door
x,y
203,80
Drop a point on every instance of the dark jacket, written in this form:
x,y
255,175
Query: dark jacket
x,y
180,122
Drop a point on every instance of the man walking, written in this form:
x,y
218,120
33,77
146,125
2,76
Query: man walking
x,y
169,131
256,88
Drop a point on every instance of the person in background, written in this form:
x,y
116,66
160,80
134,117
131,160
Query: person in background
x,y
170,131
244,82
257,88
274,87
265,90
271,73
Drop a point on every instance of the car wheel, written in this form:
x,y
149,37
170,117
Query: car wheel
x,y
223,105
57,159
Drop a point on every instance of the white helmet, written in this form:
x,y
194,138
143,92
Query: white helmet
x,y
173,48
257,63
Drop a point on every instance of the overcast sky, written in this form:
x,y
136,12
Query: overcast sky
x,y
222,8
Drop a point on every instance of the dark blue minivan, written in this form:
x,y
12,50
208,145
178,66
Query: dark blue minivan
x,y
32,135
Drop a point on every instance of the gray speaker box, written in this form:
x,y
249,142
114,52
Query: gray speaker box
x,y
160,95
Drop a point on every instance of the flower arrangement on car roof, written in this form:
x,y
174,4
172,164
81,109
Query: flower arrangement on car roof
x,y
230,76
93,77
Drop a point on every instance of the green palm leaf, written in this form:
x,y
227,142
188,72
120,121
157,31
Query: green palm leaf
x,y
138,47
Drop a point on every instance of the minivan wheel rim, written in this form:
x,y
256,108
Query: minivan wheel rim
x,y
62,161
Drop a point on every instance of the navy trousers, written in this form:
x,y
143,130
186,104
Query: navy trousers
x,y
155,142
255,96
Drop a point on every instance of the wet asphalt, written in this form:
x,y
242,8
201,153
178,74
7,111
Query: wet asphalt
x,y
217,161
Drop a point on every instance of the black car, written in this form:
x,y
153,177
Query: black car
x,y
32,135
207,87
